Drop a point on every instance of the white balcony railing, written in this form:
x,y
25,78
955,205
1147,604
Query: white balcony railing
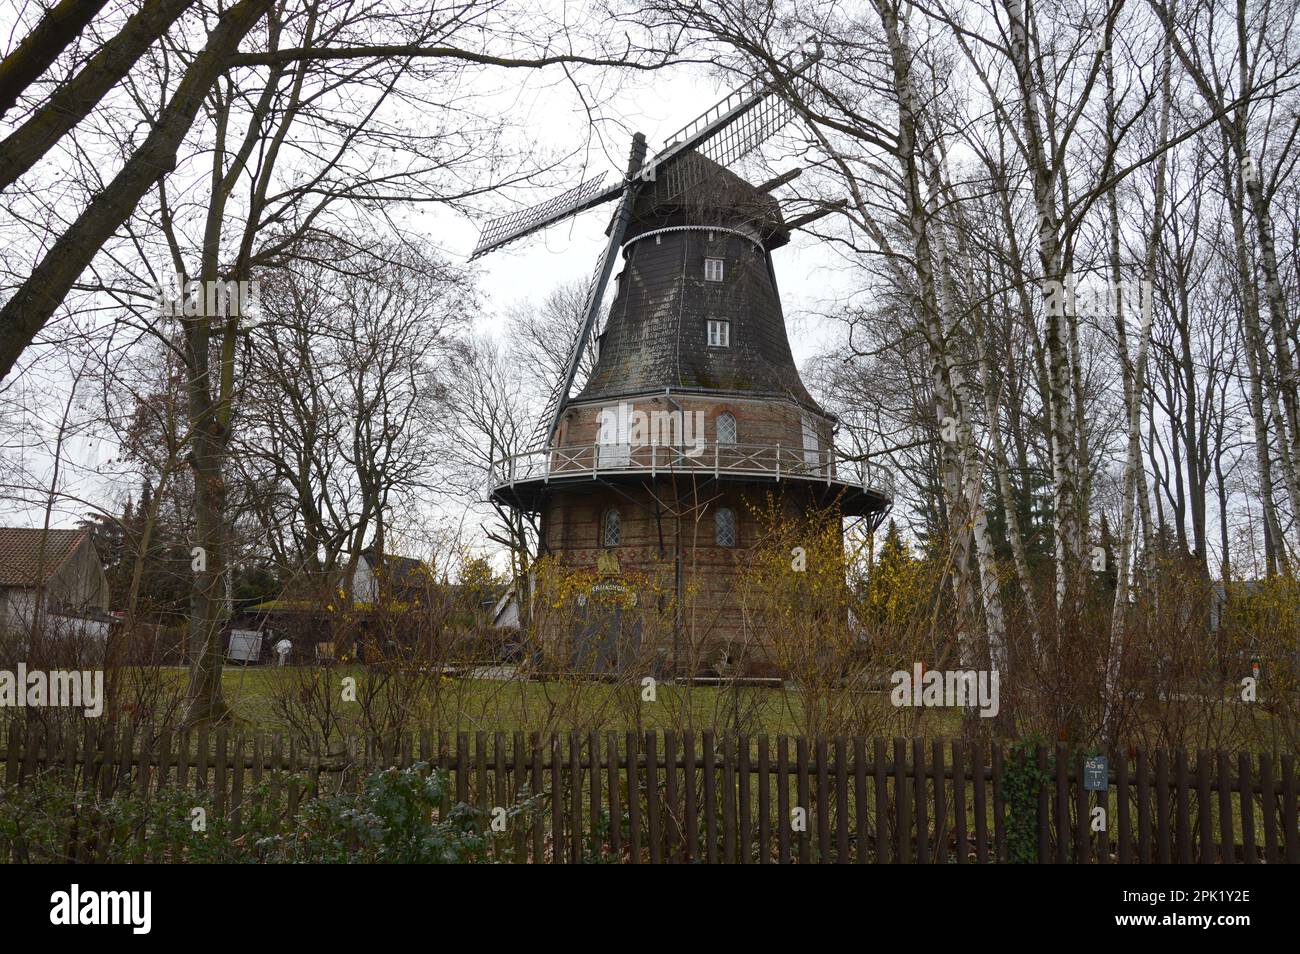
x,y
772,462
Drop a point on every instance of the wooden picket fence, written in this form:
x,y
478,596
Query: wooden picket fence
x,y
685,797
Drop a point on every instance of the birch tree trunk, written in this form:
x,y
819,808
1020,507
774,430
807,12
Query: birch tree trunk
x,y
1062,419
1133,376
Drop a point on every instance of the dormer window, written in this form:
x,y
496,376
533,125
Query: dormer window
x,y
713,269
719,333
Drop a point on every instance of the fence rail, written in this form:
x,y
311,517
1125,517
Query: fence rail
x,y
771,461
683,797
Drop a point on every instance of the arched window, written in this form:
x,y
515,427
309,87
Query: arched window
x,y
611,530
724,527
725,427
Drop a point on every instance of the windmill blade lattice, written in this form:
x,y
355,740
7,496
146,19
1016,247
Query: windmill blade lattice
x,y
515,225
733,127
583,338
724,133
595,294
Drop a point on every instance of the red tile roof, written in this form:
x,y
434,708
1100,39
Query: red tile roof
x,y
26,554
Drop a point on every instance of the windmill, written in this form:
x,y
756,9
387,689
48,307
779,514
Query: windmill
x,y
725,133
695,337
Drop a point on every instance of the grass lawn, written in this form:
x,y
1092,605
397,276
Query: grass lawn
x,y
259,697
468,704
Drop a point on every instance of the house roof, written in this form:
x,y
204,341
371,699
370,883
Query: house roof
x,y
31,556
507,597
400,569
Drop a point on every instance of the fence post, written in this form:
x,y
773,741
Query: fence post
x,y
1183,798
1227,840
633,799
1044,805
805,836
557,803
1204,809
710,808
783,799
981,804
1268,805
940,805
728,793
999,806
902,819
1083,848
959,801
536,819
519,759
1292,837
841,800
1246,789
672,830
919,794
860,799
823,803
1124,838
1164,853
1062,804
764,801
575,798
880,787
744,830
688,786
652,811
615,809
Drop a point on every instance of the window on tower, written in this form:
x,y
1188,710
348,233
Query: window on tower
x,y
724,527
719,333
713,269
725,427
611,529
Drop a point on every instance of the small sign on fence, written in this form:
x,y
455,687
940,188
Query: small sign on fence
x,y
1096,774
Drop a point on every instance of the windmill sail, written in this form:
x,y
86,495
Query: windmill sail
x,y
515,225
724,133
734,126
581,342
595,294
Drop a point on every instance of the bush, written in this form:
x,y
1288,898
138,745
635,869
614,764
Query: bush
x,y
402,816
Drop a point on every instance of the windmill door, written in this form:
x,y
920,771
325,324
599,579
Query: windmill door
x,y
607,634
613,440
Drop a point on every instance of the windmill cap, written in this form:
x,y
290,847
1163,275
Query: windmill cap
x,y
695,190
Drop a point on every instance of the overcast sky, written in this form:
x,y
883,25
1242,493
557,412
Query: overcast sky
x,y
548,115
657,105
